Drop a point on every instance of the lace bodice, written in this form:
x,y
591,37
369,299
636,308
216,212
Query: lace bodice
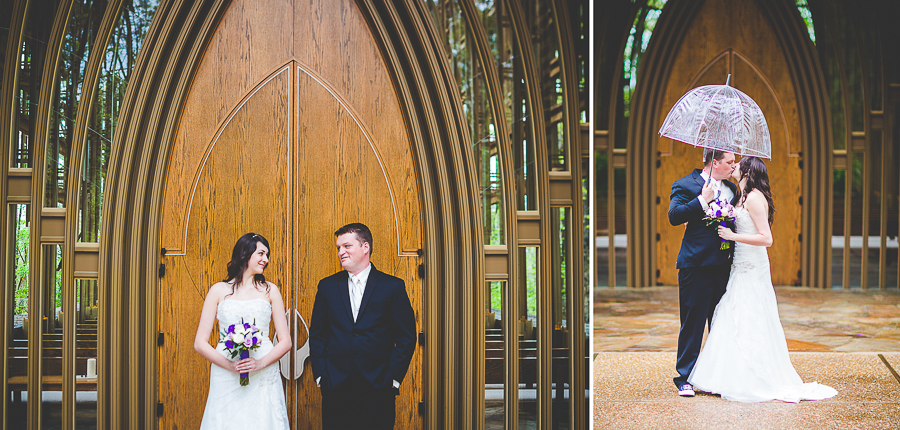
x,y
253,311
747,256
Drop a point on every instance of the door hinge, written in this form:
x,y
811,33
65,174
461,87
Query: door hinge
x,y
800,237
421,408
800,200
162,270
162,251
658,200
159,409
422,338
658,237
422,271
160,339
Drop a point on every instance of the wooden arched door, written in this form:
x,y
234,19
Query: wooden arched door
x,y
291,129
736,37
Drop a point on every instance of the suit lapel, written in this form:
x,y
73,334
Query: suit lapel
x,y
343,288
699,179
370,289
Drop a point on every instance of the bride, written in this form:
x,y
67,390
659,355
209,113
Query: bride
x,y
745,357
246,295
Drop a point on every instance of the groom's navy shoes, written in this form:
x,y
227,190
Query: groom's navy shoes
x,y
686,390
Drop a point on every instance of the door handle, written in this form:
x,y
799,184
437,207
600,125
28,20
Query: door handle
x,y
300,354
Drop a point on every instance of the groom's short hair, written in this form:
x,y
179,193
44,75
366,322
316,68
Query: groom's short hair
x,y
360,230
708,154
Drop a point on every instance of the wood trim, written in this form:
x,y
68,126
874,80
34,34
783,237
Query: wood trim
x,y
35,304
8,83
507,168
73,205
129,244
544,377
577,372
816,135
18,185
642,129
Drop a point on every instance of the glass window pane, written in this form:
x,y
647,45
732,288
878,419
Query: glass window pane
x,y
893,202
856,218
621,239
51,343
497,25
494,356
837,235
86,295
543,26
560,282
875,193
478,108
84,22
17,325
527,297
827,51
31,65
602,219
120,55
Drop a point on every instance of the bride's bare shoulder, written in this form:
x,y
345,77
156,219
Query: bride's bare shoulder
x,y
219,290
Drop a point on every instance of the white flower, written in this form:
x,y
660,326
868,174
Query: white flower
x,y
237,337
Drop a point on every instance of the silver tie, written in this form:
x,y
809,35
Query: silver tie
x,y
355,296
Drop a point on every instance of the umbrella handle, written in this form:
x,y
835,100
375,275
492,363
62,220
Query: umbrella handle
x,y
728,79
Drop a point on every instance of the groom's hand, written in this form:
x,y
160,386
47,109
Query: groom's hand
x,y
708,193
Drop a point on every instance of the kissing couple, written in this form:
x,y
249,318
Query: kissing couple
x,y
729,286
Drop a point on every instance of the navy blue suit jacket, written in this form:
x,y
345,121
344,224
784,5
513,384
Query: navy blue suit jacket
x,y
701,243
377,347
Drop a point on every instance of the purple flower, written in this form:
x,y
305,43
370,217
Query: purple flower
x,y
248,342
231,328
229,344
246,326
254,340
718,213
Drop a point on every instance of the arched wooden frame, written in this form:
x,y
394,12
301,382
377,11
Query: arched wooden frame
x,y
44,217
815,134
128,257
129,247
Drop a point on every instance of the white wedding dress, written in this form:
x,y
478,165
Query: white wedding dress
x,y
258,405
745,357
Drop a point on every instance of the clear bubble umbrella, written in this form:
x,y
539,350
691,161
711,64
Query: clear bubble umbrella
x,y
719,117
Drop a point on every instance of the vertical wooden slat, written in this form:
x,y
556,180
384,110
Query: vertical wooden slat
x,y
8,83
73,205
35,266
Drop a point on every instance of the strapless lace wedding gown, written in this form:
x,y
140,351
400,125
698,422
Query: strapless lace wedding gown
x,y
745,357
258,405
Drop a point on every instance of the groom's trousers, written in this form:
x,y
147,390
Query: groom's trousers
x,y
699,291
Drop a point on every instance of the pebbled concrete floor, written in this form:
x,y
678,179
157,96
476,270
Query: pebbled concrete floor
x,y
849,340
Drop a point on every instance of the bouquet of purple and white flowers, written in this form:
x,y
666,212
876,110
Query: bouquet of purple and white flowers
x,y
239,340
719,213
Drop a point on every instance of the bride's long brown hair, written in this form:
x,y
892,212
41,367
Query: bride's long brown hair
x,y
757,176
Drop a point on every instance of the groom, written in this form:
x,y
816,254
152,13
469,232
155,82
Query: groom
x,y
361,337
703,268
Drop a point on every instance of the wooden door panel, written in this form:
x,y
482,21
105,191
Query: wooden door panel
x,y
306,134
241,186
340,179
735,37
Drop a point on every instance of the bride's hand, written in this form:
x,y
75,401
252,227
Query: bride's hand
x,y
246,365
726,233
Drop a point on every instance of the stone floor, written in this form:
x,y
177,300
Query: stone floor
x,y
849,340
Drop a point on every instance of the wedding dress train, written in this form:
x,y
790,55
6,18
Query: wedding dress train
x,y
260,404
745,357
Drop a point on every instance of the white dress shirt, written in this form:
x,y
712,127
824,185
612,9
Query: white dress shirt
x,y
722,192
